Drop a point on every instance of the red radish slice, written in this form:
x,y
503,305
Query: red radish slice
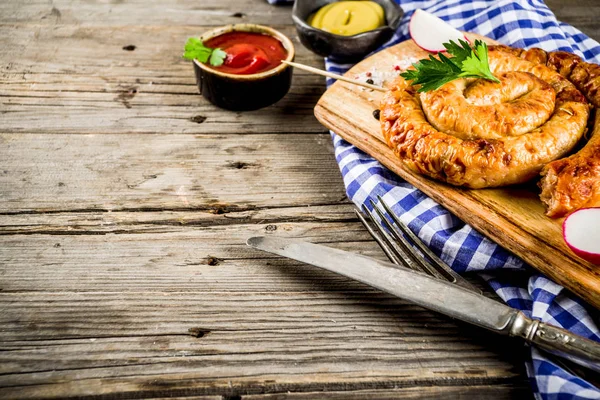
x,y
581,231
430,32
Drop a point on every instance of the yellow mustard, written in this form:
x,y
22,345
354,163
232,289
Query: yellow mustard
x,y
348,18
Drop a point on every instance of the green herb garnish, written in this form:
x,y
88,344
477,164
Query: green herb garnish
x,y
195,49
466,62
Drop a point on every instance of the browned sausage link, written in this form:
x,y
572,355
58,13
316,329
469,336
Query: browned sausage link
x,y
511,50
582,74
560,61
586,77
572,183
563,63
535,55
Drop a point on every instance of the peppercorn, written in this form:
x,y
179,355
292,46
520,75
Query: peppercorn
x,y
370,81
376,114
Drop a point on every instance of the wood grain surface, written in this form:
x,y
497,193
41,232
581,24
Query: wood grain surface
x,y
125,202
512,217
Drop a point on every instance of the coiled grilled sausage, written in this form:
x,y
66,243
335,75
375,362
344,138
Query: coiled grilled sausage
x,y
482,141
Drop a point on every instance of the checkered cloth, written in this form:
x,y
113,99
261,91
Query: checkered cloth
x,y
520,24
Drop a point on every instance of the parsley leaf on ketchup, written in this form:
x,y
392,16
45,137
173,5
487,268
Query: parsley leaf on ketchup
x,y
195,49
217,57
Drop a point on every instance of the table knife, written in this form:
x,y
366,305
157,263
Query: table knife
x,y
439,296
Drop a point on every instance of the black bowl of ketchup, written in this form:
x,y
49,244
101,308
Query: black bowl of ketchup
x,y
252,75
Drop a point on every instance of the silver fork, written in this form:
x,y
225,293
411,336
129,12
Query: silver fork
x,y
398,242
401,252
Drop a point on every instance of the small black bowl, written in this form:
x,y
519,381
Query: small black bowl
x,y
245,92
343,48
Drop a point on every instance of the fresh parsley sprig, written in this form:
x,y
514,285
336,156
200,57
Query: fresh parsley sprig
x,y
195,49
466,62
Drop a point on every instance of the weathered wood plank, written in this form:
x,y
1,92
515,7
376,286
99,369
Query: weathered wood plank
x,y
124,305
172,251
82,87
207,342
254,382
198,312
176,259
143,13
103,222
51,116
580,13
495,392
145,172
80,80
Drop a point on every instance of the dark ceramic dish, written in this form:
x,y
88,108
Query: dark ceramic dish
x,y
344,48
245,92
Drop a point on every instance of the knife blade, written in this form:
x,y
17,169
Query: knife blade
x,y
437,295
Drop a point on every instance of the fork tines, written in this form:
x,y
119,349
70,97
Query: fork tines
x,y
398,242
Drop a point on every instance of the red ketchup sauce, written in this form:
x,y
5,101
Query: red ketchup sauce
x,y
248,52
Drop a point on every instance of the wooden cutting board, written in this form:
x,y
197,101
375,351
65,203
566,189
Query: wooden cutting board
x,y
513,217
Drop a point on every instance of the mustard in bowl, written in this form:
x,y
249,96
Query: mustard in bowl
x,y
334,34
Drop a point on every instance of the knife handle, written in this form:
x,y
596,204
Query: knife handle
x,y
557,341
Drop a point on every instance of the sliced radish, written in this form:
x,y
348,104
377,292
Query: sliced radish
x,y
430,32
581,231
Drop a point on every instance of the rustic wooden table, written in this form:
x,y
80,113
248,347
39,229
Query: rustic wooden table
x,y
126,200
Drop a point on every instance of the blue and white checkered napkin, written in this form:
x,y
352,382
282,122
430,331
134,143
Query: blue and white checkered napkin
x,y
520,24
